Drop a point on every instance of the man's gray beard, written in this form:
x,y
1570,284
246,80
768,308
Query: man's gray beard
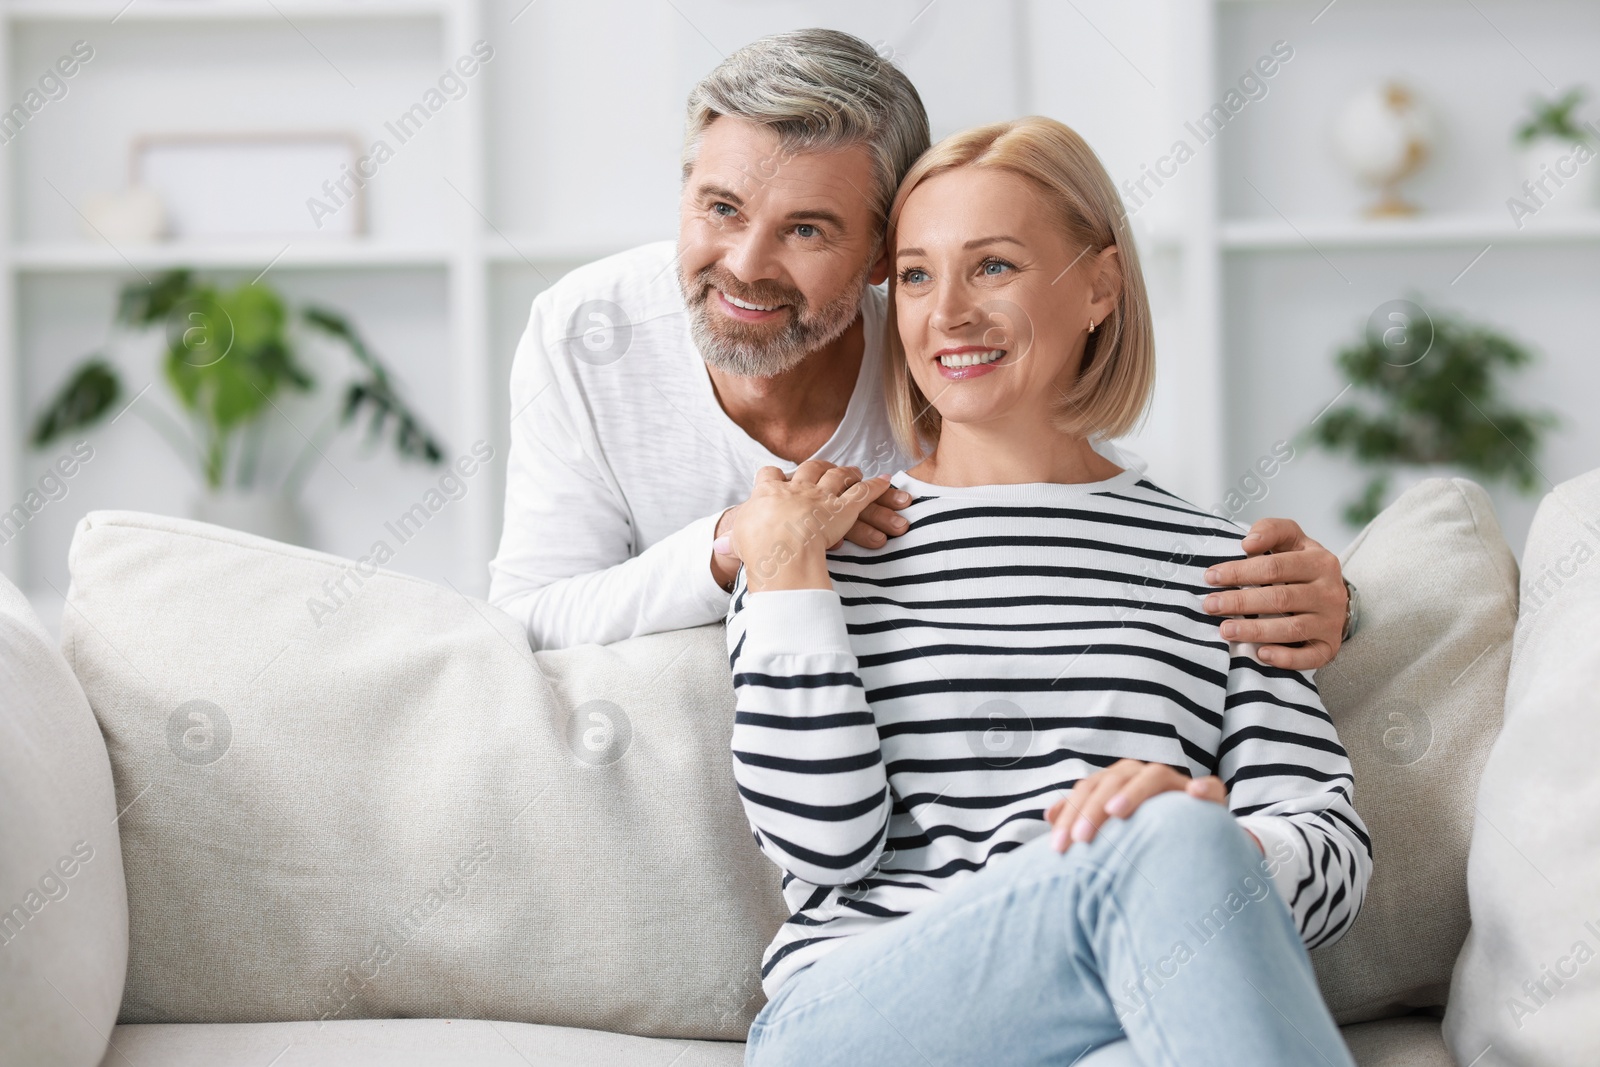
x,y
801,336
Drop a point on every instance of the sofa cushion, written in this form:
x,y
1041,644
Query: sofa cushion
x,y
1416,696
356,794
1411,1041
1528,980
404,1043
63,910
1408,1042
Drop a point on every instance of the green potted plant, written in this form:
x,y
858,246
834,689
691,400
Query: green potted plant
x,y
1557,154
1430,404
231,355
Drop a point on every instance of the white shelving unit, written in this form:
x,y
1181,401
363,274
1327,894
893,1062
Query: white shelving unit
x,y
1427,231
1285,270
82,256
456,262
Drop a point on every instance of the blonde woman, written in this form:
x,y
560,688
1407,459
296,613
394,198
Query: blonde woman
x,y
1027,799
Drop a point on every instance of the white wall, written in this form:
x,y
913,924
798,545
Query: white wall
x,y
583,121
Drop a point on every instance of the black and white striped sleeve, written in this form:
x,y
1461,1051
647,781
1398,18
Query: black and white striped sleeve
x,y
805,745
1289,781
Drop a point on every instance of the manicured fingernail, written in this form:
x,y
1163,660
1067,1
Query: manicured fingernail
x,y
1212,577
1230,629
1213,603
1058,840
1082,829
1117,805
723,546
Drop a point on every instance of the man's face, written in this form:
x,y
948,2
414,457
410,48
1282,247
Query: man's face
x,y
774,247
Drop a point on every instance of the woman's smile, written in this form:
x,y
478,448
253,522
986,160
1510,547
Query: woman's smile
x,y
968,361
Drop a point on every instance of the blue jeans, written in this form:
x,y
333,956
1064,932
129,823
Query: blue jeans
x,y
1164,930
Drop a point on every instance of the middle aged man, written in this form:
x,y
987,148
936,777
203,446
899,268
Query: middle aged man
x,y
649,387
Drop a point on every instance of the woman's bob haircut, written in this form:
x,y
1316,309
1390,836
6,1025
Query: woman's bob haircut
x,y
1112,388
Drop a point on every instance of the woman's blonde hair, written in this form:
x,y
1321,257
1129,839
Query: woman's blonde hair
x,y
1116,376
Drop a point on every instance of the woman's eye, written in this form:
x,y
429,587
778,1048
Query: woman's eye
x,y
996,266
913,276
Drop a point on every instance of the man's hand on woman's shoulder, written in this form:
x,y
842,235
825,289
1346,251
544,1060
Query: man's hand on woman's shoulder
x,y
1295,578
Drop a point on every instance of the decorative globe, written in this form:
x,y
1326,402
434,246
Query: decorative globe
x,y
1384,135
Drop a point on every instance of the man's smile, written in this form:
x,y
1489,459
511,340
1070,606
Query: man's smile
x,y
745,310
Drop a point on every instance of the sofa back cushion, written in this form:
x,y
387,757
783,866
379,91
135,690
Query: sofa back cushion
x,y
1416,695
1528,980
63,909
358,794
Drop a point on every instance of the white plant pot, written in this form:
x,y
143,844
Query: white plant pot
x,y
1579,192
266,514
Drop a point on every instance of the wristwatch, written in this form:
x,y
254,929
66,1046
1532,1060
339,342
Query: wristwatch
x,y
1352,611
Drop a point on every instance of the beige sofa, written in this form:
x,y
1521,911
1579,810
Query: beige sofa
x,y
239,831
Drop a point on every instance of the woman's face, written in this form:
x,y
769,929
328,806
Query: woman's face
x,y
992,300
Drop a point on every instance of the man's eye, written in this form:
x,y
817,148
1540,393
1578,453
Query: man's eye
x,y
806,230
725,210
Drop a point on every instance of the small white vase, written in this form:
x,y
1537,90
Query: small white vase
x,y
266,514
1553,160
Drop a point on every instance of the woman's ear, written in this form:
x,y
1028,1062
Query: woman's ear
x,y
1106,291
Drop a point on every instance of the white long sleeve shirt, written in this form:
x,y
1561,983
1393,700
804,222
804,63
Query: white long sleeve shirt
x,y
622,460
900,730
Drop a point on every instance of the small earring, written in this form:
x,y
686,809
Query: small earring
x,y
1091,326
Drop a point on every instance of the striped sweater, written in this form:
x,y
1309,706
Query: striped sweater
x,y
897,732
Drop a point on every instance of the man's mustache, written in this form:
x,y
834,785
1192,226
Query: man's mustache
x,y
710,278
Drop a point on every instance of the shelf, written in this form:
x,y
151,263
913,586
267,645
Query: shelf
x,y
517,248
66,257
221,10
1423,231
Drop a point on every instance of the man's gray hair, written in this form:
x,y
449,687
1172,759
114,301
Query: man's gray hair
x,y
818,90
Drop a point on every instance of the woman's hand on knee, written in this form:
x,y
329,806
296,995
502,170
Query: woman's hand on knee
x,y
1117,791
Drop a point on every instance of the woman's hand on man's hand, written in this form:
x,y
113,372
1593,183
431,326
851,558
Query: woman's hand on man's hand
x,y
1299,580
876,523
1117,791
785,529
